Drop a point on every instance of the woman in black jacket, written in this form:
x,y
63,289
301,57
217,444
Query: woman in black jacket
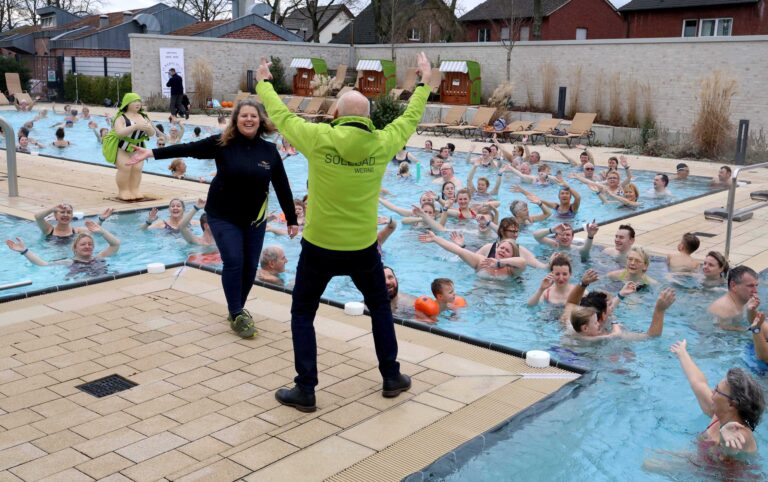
x,y
237,199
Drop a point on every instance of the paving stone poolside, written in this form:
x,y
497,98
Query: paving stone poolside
x,y
204,408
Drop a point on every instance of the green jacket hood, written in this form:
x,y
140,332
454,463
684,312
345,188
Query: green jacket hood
x,y
352,131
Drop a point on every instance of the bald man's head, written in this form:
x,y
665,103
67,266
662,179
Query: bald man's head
x,y
353,103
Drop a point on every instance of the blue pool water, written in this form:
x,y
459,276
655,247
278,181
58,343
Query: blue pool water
x,y
640,403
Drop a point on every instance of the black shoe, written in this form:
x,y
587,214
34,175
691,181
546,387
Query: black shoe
x,y
186,114
301,401
393,386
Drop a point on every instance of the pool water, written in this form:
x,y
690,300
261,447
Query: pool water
x,y
640,403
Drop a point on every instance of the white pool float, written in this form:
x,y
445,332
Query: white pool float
x,y
537,359
78,215
155,268
354,308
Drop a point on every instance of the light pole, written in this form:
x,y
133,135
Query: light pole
x,y
118,77
77,91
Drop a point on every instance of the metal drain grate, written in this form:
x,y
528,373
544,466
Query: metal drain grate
x,y
704,235
106,386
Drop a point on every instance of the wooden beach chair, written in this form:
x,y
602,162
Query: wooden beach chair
x,y
13,83
511,128
411,77
580,128
452,118
481,119
337,82
540,128
294,103
328,115
313,107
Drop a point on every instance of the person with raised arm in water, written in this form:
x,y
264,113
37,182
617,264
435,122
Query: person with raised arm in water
x,y
347,160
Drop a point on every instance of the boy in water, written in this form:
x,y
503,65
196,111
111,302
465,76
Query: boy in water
x,y
682,260
443,291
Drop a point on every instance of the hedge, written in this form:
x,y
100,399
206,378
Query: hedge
x,y
93,89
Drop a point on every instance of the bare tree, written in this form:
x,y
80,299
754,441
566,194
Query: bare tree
x,y
281,10
316,13
512,23
207,10
8,14
28,10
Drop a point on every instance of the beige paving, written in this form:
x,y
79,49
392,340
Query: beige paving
x,y
204,408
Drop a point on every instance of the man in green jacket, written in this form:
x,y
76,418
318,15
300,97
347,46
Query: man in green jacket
x,y
347,160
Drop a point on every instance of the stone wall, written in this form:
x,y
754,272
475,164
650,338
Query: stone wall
x,y
674,68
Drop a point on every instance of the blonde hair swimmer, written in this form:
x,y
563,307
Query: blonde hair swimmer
x,y
130,129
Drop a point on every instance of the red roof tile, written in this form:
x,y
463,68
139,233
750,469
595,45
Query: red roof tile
x,y
198,27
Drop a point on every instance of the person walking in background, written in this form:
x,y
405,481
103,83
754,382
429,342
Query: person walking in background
x,y
347,160
177,94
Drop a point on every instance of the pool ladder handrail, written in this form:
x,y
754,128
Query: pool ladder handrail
x,y
10,156
732,202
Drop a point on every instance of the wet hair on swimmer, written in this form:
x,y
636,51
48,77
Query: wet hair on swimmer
x,y
439,284
746,396
581,316
183,206
78,238
690,242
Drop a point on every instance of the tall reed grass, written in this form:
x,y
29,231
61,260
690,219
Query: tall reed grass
x,y
614,96
548,73
202,78
713,124
575,103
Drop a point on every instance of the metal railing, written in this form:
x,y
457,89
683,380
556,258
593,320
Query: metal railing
x,y
732,201
10,155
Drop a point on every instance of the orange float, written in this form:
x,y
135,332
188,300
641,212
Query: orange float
x,y
427,305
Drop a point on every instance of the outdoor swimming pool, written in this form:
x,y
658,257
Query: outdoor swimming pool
x,y
639,402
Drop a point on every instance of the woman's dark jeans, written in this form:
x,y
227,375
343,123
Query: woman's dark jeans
x,y
240,248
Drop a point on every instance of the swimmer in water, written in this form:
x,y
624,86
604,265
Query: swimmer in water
x,y
568,205
207,238
554,288
272,265
485,160
506,263
481,193
63,231
520,211
729,309
178,168
60,142
715,269
445,295
83,259
635,269
735,406
176,211
682,262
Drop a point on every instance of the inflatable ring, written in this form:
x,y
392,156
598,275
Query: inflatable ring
x,y
427,305
205,258
459,302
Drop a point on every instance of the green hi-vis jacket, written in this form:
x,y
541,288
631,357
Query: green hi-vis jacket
x,y
347,160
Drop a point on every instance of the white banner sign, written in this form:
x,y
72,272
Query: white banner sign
x,y
171,59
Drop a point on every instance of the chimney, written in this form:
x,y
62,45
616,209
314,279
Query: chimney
x,y
103,21
127,16
235,9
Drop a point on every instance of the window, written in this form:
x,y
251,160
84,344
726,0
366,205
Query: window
x,y
414,34
708,27
48,22
581,34
505,33
690,28
484,35
525,33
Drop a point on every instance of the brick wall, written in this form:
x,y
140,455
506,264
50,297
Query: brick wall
x,y
252,32
748,19
122,54
673,67
597,16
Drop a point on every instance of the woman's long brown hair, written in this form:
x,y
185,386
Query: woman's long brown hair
x,y
265,125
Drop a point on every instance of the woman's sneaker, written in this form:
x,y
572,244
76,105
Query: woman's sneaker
x,y
243,325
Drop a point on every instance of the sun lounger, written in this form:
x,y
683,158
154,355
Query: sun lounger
x,y
4,100
13,83
481,119
20,97
510,128
452,118
337,82
434,82
542,127
313,107
580,128
411,77
322,114
294,104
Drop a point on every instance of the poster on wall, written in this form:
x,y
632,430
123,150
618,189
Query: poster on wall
x,y
171,59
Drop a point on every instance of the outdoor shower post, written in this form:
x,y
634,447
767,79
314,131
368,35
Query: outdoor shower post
x,y
741,142
561,103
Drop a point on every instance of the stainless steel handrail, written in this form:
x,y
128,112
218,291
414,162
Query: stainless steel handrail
x,y
10,155
732,201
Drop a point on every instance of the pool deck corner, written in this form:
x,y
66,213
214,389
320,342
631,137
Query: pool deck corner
x,y
204,408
